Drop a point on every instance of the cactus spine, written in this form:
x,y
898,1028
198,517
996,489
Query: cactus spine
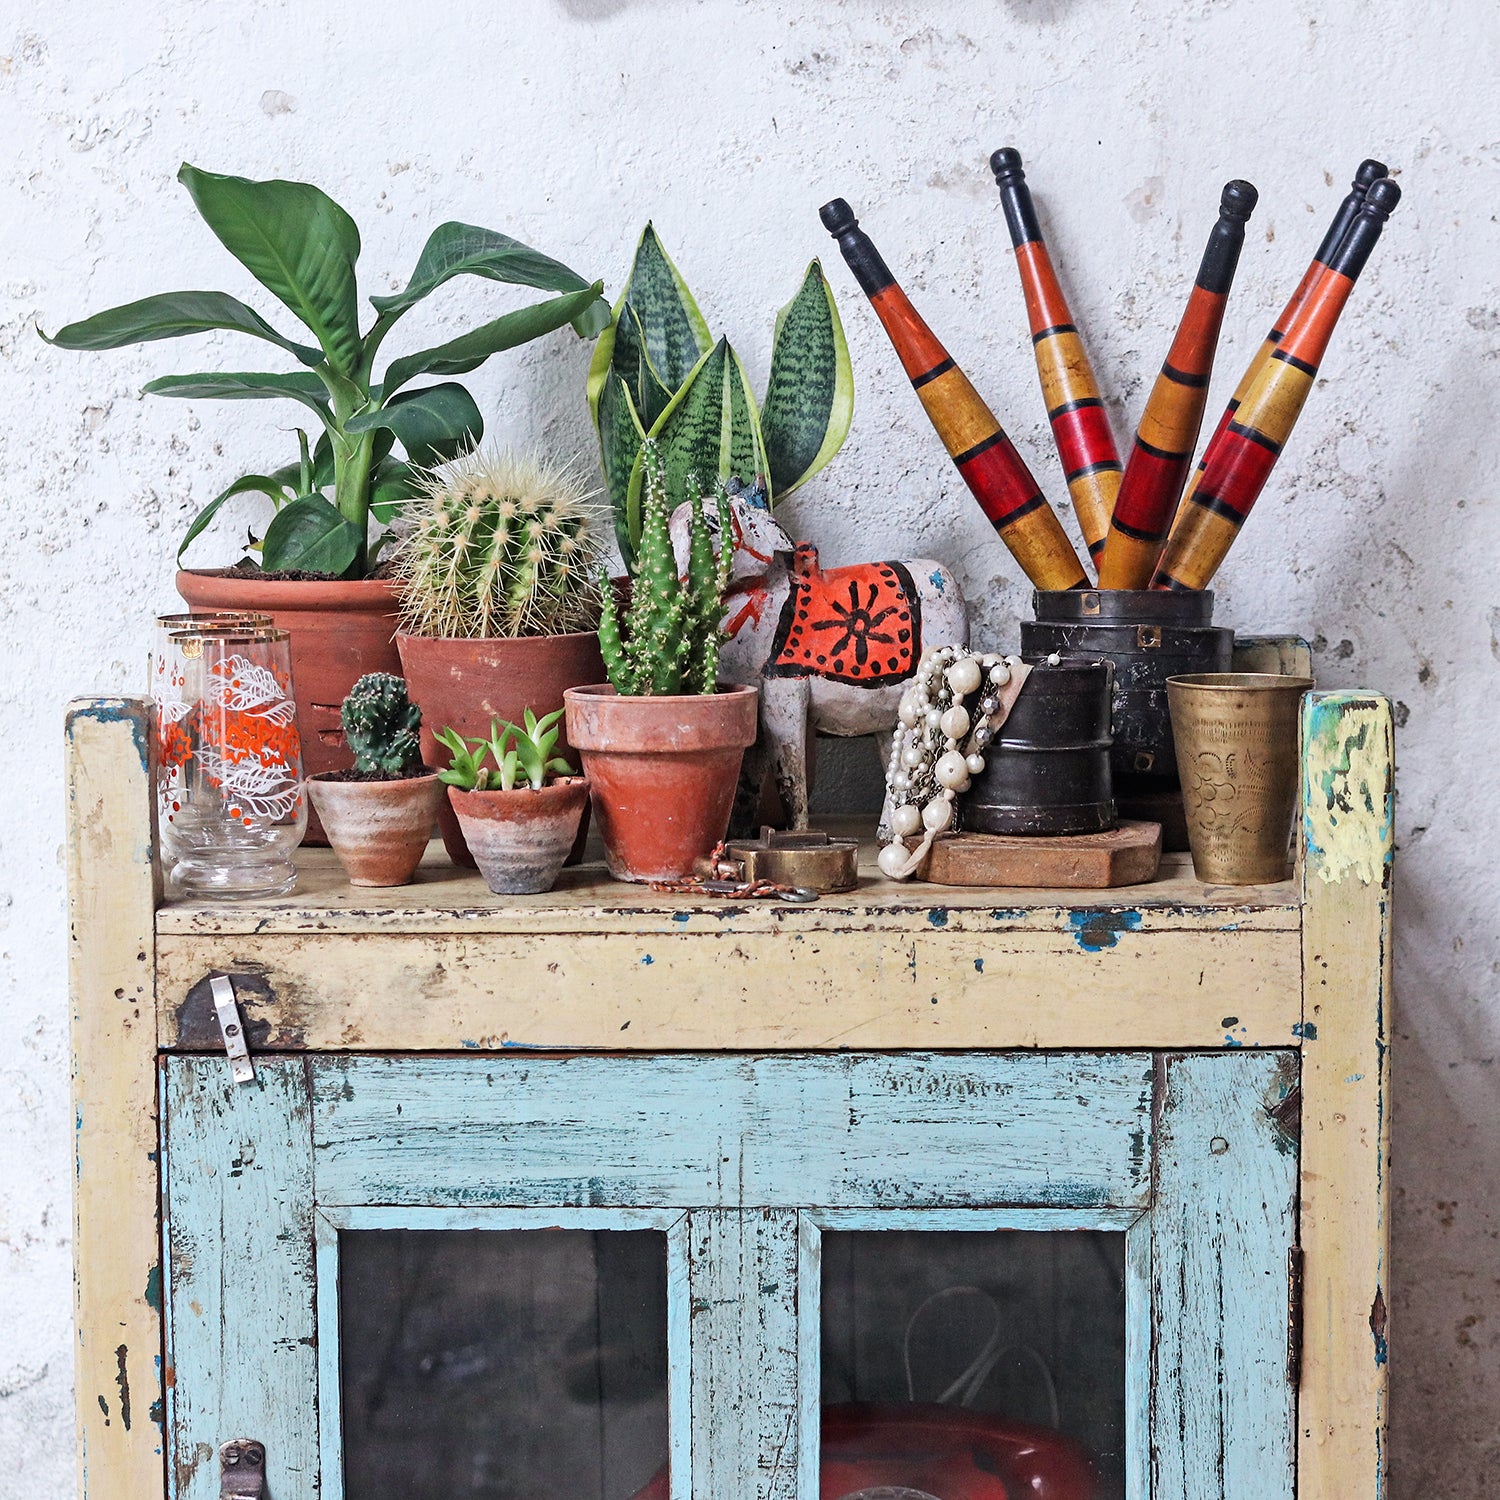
x,y
670,641
380,726
502,546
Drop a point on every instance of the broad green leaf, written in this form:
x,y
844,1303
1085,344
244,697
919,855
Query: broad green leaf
x,y
464,250
601,364
174,315
810,398
311,535
298,243
391,486
244,386
710,428
620,439
632,363
470,350
433,425
263,484
675,331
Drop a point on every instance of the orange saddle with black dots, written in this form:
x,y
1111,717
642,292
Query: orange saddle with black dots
x,y
861,625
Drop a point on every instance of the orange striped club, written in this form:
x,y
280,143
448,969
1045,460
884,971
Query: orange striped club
x,y
1369,171
1080,425
995,473
1163,450
1240,456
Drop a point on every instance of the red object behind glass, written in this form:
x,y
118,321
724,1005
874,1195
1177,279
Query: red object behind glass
x,y
946,1451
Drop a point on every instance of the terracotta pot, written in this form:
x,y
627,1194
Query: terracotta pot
x,y
520,839
340,630
662,773
378,829
465,684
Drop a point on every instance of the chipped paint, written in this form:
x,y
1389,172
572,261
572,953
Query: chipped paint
x,y
1307,1030
938,916
1094,931
1348,804
979,966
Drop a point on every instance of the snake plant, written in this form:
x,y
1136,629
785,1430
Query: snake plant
x,y
658,373
302,248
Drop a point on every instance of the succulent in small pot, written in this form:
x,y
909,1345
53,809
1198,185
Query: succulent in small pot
x,y
499,597
519,805
661,742
379,814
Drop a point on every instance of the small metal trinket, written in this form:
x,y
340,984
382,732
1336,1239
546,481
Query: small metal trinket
x,y
809,860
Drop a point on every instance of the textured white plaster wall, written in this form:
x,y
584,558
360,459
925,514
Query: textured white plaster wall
x,y
568,123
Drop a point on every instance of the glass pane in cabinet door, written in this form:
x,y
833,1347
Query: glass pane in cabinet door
x,y
503,1364
971,1365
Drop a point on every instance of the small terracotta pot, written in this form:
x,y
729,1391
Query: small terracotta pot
x,y
520,839
662,772
340,630
378,829
464,684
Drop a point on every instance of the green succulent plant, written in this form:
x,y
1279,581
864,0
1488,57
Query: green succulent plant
x,y
500,545
381,726
302,247
522,756
658,373
669,641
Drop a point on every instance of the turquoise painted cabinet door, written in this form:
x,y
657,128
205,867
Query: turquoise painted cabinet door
x,y
721,1277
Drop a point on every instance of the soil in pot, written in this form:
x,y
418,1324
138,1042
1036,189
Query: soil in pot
x,y
662,773
464,684
378,828
340,629
520,839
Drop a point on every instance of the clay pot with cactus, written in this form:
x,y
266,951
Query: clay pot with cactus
x,y
378,815
661,741
499,599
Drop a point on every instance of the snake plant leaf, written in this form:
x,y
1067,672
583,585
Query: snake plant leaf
x,y
710,429
175,315
470,350
434,425
632,363
810,399
245,386
455,249
676,333
311,535
392,484
620,439
271,485
298,243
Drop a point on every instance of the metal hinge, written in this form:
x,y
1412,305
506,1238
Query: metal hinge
x,y
231,1028
242,1469
1294,1316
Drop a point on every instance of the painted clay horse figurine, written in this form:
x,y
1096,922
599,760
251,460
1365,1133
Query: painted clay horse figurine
x,y
831,650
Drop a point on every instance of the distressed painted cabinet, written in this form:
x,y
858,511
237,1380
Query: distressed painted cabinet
x,y
608,1193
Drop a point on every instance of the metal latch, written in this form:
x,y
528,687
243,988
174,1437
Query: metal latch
x,y
232,1029
242,1469
808,860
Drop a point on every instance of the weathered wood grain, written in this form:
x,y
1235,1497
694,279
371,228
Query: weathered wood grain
x,y
1348,847
1109,980
116,1233
1222,1225
243,1336
719,1131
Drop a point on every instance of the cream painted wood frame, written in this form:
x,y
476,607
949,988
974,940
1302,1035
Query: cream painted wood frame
x,y
442,966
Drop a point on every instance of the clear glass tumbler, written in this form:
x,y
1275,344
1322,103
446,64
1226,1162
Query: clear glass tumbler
x,y
240,806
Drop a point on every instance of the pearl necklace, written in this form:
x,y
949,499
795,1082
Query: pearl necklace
x,y
939,746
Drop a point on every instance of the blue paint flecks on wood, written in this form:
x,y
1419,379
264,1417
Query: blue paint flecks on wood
x,y
647,959
1307,1030
1009,914
1094,931
682,916
979,966
938,916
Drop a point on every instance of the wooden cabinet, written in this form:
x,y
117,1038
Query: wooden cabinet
x,y
608,1192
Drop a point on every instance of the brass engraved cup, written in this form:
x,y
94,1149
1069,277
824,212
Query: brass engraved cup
x,y
1237,754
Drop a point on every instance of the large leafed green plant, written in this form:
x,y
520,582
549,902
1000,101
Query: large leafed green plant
x,y
302,247
657,372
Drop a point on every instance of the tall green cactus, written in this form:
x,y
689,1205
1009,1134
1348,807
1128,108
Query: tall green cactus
x,y
381,726
670,640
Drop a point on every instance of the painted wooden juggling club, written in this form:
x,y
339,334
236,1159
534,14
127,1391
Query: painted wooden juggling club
x,y
994,472
1080,425
1163,450
1369,171
1239,459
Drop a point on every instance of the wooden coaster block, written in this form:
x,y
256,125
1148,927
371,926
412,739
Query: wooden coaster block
x,y
1128,854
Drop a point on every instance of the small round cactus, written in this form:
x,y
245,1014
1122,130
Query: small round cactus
x,y
502,545
380,726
